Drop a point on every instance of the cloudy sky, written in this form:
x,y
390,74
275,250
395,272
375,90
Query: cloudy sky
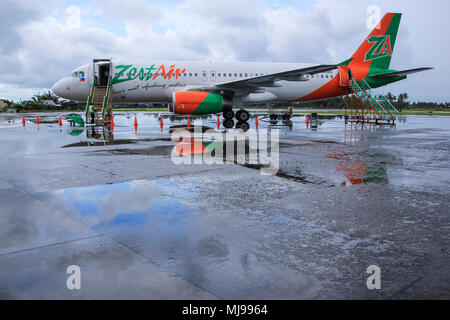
x,y
41,41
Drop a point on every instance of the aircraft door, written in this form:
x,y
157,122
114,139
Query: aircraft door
x,y
344,76
90,75
103,73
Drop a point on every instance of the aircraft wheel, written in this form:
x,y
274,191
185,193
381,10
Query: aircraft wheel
x,y
228,123
229,114
242,116
287,116
273,117
243,125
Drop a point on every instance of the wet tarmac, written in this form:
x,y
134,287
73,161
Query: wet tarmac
x,y
139,226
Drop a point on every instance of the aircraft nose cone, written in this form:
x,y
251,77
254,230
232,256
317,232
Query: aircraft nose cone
x,y
58,88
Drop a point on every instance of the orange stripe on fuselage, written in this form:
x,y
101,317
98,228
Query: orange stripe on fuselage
x,y
329,90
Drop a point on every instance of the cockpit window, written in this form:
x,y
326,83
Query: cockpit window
x,y
75,74
81,74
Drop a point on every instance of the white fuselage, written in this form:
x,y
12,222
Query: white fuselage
x,y
156,81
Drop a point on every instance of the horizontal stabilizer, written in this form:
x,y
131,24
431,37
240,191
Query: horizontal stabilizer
x,y
398,73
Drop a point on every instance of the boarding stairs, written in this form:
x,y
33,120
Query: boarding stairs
x,y
382,109
100,97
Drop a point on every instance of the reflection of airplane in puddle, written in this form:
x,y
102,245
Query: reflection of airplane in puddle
x,y
356,132
188,145
95,136
357,172
104,133
255,149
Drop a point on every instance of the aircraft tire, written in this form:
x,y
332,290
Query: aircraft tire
x,y
242,116
243,125
228,114
228,123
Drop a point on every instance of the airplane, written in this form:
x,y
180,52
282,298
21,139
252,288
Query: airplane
x,y
210,88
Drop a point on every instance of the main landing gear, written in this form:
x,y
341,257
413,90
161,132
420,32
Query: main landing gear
x,y
242,116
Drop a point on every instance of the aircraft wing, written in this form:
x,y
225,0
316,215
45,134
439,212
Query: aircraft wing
x,y
398,73
255,84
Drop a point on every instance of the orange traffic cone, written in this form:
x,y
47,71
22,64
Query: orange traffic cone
x,y
112,121
37,120
161,123
135,121
189,123
218,122
23,120
256,122
307,121
60,121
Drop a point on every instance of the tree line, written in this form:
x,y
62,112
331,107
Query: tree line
x,y
45,101
400,102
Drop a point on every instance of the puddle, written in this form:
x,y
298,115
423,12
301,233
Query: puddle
x,y
137,203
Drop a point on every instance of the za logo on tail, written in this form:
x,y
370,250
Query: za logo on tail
x,y
381,47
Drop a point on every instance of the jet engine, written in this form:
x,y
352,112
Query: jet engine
x,y
198,102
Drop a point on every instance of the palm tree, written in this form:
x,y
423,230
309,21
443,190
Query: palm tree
x,y
402,101
392,99
50,96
